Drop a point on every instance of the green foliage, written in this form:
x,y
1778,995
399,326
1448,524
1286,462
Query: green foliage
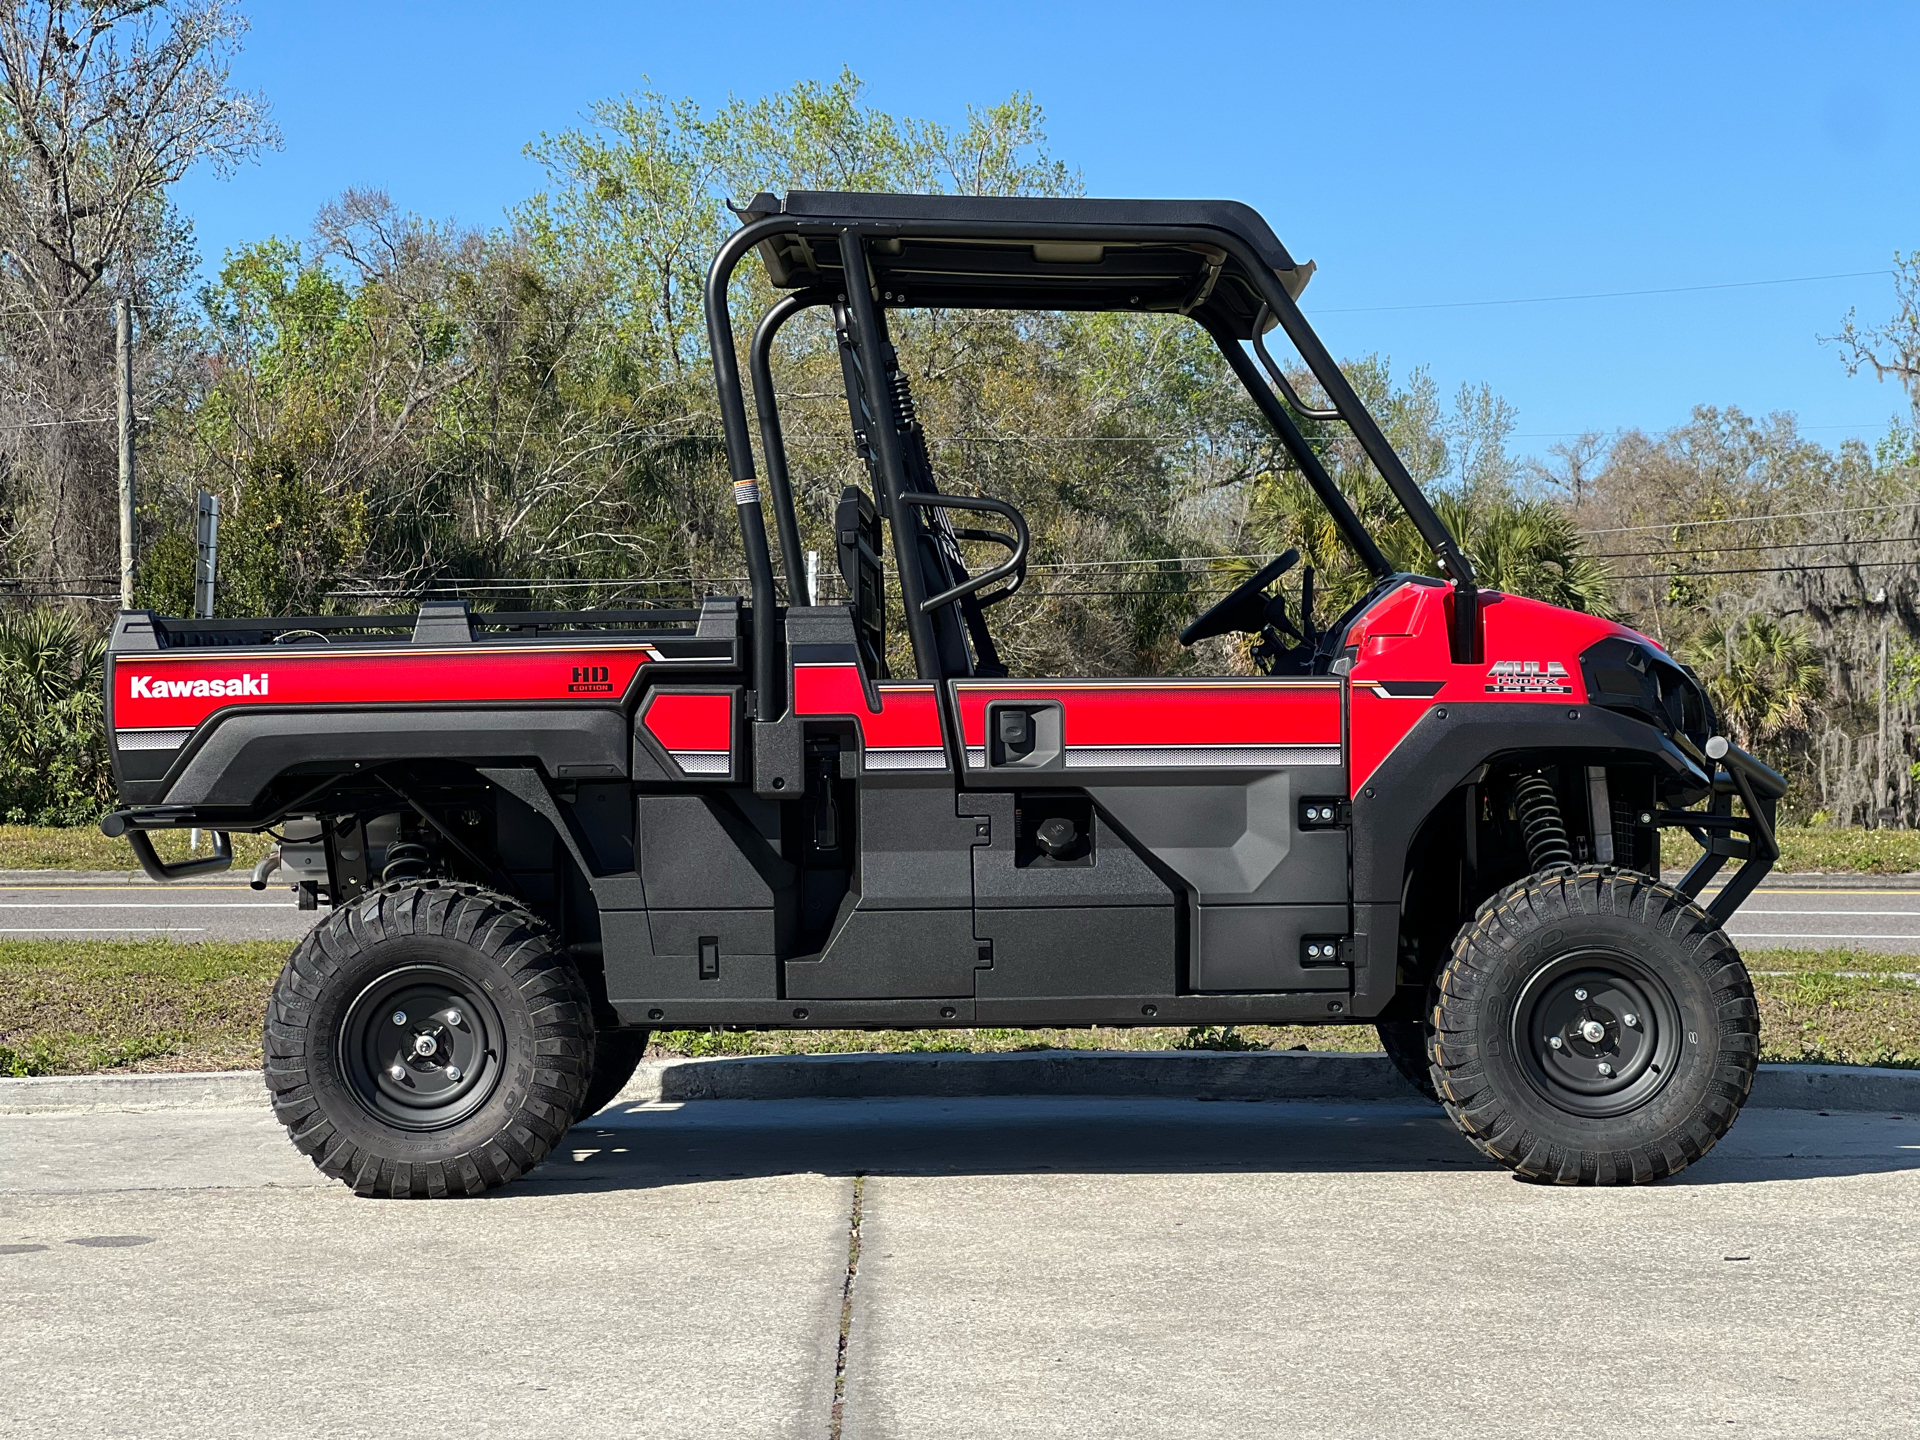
x,y
1521,545
1765,678
1219,1037
53,764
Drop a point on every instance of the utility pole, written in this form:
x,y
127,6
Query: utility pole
x,y
123,375
206,563
1881,799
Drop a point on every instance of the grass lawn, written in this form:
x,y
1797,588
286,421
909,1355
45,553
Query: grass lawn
x,y
44,847
74,1007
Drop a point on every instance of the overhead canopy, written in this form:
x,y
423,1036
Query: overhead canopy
x,y
1010,253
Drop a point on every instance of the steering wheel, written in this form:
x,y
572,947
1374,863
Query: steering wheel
x,y
1243,608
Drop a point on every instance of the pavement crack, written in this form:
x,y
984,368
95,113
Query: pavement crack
x,y
846,1306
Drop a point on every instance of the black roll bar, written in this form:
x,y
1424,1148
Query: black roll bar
x,y
773,444
1373,441
768,699
885,440
1465,639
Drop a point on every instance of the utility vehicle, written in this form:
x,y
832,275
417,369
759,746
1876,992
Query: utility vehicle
x,y
542,835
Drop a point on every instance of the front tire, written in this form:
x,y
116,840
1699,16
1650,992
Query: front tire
x,y
428,1040
1594,1027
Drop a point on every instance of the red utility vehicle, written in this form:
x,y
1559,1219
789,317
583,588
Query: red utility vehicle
x,y
542,835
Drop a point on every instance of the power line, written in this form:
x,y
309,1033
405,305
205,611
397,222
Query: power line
x,y
1773,570
1730,549
1600,294
1751,519
54,424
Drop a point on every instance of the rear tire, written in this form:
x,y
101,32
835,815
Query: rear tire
x,y
1657,1029
1405,1042
428,1040
616,1055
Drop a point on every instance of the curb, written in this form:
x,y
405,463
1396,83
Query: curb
x,y
1152,1074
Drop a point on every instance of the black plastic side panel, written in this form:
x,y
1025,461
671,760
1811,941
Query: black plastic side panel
x,y
699,852
1296,1008
1259,948
891,954
1105,952
1238,843
688,957
236,758
1004,876
915,852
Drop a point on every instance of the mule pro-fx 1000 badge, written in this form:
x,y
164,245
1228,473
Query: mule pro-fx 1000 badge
x,y
1528,677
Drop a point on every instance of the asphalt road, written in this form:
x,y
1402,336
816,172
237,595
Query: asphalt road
x,y
136,911
1863,918
1026,1268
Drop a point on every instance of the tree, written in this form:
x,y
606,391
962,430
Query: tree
x,y
53,763
1765,678
1892,349
102,107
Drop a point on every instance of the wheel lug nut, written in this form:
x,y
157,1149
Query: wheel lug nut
x,y
453,1018
399,1017
1579,994
1605,1069
1554,1041
453,1072
398,1072
1629,1020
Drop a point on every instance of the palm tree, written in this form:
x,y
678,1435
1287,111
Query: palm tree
x,y
52,742
1765,678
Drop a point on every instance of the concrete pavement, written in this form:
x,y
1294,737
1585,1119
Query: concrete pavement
x,y
1061,1266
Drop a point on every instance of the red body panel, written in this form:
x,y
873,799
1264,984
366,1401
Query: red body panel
x,y
680,721
1227,722
1531,654
903,735
695,727
178,691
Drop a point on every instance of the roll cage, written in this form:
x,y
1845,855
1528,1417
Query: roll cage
x,y
1215,261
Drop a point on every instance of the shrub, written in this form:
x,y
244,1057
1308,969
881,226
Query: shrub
x,y
53,752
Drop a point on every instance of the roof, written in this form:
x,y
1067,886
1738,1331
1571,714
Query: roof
x,y
995,252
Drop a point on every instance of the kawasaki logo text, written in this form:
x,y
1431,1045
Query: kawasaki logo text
x,y
145,687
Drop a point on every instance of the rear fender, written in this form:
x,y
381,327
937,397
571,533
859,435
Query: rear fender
x,y
235,759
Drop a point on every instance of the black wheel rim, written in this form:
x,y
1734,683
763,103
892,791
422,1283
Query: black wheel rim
x,y
420,1047
1597,1032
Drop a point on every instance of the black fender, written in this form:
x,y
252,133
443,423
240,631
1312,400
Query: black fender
x,y
233,760
1450,742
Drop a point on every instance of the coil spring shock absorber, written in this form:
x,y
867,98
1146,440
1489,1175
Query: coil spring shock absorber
x,y
1538,809
407,860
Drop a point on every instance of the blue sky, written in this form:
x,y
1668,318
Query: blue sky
x,y
1421,154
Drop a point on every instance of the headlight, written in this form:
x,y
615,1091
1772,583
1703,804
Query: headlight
x,y
1633,678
